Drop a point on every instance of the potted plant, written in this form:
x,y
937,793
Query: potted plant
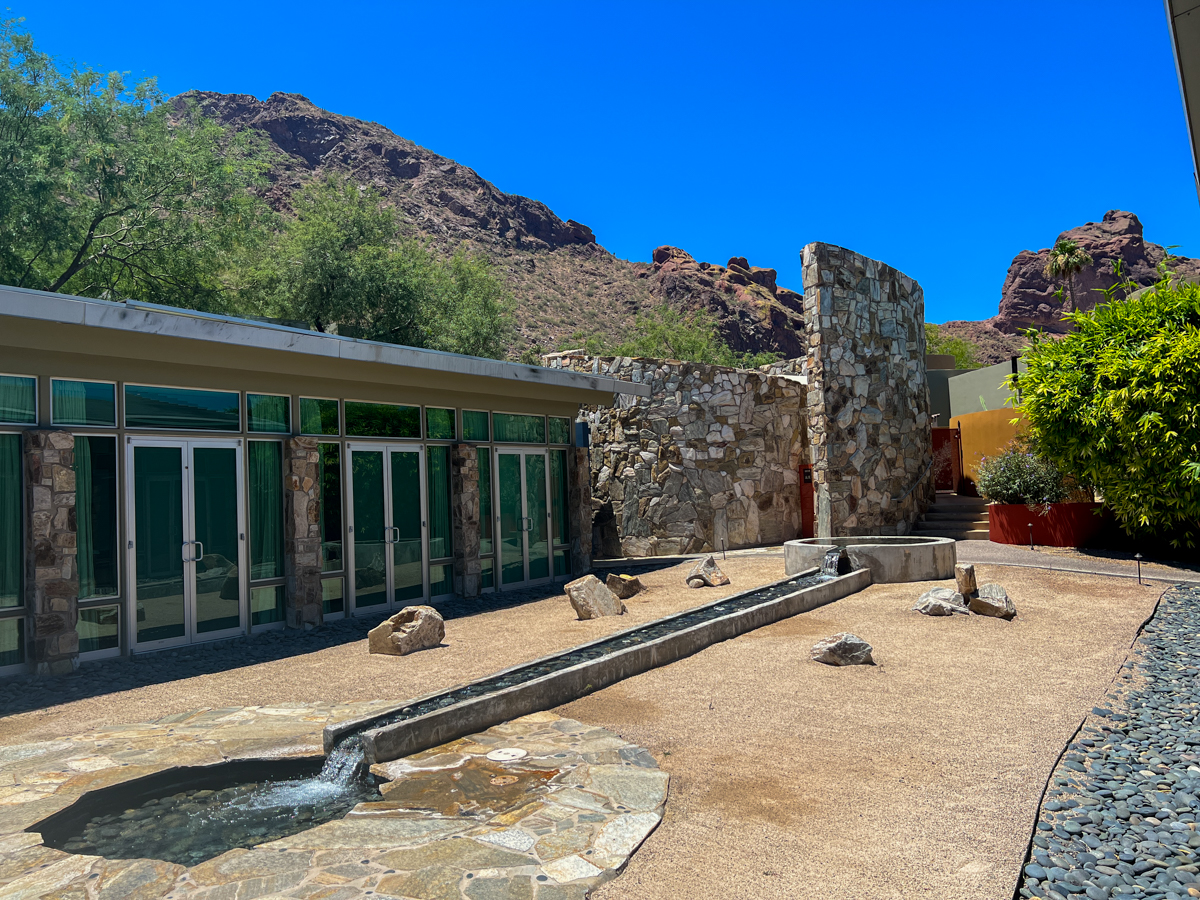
x,y
1031,501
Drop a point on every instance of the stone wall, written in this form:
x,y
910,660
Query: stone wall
x,y
580,508
464,515
868,397
708,462
51,570
302,532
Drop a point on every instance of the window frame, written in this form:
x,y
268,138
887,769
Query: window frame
x,y
419,438
299,430
110,652
492,422
462,427
139,429
37,406
339,573
275,580
21,611
246,400
119,595
118,407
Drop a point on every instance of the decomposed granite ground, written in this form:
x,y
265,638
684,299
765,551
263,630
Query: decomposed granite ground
x,y
548,822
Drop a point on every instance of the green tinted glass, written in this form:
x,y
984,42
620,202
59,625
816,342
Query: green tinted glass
x,y
535,508
158,537
99,628
18,400
331,507
370,547
318,416
266,413
382,420
475,426
12,642
407,557
214,505
266,509
560,430
181,408
11,562
439,424
332,600
266,605
558,496
512,552
515,429
485,503
83,403
438,473
96,515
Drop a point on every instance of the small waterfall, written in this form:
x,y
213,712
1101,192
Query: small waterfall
x,y
344,763
832,563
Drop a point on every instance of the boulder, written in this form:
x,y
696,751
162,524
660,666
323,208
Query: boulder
x,y
591,599
843,649
413,628
706,573
941,602
624,586
992,600
964,578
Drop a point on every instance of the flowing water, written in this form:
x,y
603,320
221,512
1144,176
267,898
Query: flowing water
x,y
190,826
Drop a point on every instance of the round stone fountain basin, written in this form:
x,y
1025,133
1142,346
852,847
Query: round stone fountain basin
x,y
890,558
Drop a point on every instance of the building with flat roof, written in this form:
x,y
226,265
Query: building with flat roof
x,y
170,477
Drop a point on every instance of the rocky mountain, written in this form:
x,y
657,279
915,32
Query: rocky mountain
x,y
568,287
1027,297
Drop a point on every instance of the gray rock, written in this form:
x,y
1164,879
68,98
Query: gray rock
x,y
992,600
843,649
592,600
706,573
413,628
964,578
941,602
624,586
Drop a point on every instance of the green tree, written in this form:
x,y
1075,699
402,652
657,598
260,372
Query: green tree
x,y
107,190
664,332
1116,404
341,260
966,354
1067,260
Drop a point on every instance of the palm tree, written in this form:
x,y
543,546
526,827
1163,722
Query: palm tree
x,y
1066,260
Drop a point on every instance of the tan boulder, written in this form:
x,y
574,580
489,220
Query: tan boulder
x,y
591,599
992,600
964,578
843,649
413,628
624,586
706,573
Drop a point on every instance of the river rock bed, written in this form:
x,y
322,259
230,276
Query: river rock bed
x,y
1119,818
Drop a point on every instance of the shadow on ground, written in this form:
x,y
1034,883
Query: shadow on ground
x,y
29,692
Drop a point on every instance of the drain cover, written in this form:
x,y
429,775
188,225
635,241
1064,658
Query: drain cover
x,y
506,754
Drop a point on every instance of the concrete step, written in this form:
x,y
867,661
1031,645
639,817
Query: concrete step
x,y
966,515
958,534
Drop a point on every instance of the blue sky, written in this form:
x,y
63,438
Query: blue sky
x,y
941,138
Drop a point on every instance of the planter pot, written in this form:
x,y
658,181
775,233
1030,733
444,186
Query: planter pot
x,y
1065,525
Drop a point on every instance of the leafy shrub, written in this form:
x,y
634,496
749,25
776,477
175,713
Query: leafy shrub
x,y
665,333
965,353
1018,475
1116,403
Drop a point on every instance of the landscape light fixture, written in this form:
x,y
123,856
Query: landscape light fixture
x,y
1138,557
1030,535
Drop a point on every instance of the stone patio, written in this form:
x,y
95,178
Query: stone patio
x,y
450,823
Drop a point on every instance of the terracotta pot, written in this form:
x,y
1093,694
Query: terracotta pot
x,y
1065,525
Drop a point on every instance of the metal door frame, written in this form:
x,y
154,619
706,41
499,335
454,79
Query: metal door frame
x,y
349,591
521,452
187,447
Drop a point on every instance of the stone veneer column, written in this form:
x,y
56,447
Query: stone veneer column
x,y
51,572
464,517
579,508
302,532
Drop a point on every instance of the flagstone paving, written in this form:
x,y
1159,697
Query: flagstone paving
x,y
450,824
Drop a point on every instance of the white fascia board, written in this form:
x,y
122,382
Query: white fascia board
x,y
145,318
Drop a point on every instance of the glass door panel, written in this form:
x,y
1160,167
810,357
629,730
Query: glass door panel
x,y
407,558
512,553
536,531
159,543
215,506
370,573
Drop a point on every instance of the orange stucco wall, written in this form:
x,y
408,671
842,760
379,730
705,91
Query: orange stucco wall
x,y
985,434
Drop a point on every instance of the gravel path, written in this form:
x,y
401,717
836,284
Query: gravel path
x,y
1119,818
1055,560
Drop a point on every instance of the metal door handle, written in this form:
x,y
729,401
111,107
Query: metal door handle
x,y
388,529
186,544
200,555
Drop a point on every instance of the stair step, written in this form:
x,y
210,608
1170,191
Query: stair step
x,y
958,534
937,515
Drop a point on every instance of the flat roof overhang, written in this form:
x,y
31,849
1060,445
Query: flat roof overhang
x,y
131,330
1184,19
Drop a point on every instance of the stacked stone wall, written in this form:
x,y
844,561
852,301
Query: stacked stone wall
x,y
302,533
868,396
708,461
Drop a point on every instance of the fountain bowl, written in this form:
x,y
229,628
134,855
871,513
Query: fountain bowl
x,y
889,558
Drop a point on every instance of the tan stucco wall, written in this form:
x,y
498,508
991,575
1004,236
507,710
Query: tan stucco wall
x,y
985,434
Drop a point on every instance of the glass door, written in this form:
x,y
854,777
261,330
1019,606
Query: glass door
x,y
187,547
522,516
386,556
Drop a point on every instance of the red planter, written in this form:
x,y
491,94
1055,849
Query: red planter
x,y
1065,525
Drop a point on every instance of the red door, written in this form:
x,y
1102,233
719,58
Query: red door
x,y
808,508
947,458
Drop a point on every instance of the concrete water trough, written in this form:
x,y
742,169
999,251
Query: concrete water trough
x,y
889,558
560,678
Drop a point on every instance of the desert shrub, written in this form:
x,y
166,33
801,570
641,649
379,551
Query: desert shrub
x,y
1019,475
965,353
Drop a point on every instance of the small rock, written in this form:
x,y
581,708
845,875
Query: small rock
x,y
992,600
413,628
624,586
941,602
706,573
964,578
843,649
591,599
